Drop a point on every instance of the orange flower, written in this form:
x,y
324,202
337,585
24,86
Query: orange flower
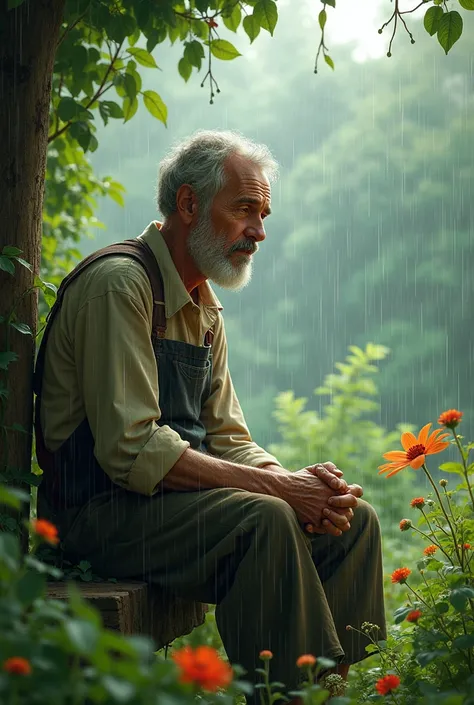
x,y
405,524
388,683
17,665
266,655
450,418
305,660
203,666
400,575
466,546
414,450
430,550
418,502
46,530
414,616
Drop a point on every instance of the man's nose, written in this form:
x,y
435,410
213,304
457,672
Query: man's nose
x,y
256,232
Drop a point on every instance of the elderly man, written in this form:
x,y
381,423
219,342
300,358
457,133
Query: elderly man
x,y
149,464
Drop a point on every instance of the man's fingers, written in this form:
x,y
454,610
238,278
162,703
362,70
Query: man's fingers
x,y
356,490
339,520
328,478
332,468
345,501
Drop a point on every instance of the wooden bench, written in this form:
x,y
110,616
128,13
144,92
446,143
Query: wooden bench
x,y
133,608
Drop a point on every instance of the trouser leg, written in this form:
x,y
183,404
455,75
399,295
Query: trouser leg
x,y
244,552
350,568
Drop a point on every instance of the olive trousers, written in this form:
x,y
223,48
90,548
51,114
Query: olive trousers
x,y
274,587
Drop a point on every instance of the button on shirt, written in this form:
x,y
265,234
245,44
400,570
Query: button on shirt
x,y
100,364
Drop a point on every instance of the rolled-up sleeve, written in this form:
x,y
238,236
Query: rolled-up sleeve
x,y
227,434
118,380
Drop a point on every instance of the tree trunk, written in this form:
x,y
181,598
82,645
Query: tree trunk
x,y
28,39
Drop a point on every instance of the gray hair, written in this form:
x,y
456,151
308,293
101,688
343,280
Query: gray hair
x,y
199,161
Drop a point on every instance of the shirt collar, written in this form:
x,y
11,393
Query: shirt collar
x,y
176,295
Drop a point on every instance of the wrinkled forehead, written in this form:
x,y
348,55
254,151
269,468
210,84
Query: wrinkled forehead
x,y
245,178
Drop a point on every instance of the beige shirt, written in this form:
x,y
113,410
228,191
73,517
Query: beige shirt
x,y
100,364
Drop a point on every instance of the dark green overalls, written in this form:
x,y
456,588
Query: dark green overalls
x,y
275,588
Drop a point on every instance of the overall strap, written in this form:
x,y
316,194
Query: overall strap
x,y
138,250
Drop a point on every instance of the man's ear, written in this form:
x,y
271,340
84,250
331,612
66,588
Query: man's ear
x,y
186,204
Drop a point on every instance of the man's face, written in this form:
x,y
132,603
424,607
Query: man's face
x,y
222,243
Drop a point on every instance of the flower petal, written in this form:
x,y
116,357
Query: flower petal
x,y
424,433
397,455
408,440
437,447
387,466
395,470
435,437
417,462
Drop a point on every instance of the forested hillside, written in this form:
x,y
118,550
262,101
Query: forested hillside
x,y
370,239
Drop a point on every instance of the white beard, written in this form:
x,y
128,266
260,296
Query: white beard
x,y
212,257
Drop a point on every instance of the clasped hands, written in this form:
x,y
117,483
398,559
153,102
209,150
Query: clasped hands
x,y
336,500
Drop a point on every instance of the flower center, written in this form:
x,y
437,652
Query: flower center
x,y
415,451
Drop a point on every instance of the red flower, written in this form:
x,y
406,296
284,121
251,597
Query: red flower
x,y
17,665
417,502
430,550
203,666
450,418
305,660
405,524
466,546
387,684
47,531
266,655
400,575
414,616
211,23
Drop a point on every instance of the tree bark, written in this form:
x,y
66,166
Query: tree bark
x,y
28,39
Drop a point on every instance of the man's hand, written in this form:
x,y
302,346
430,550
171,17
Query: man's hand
x,y
343,504
309,493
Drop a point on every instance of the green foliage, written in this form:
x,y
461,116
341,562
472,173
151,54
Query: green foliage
x,y
70,656
342,432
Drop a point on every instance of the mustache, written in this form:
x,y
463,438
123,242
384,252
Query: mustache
x,y
244,246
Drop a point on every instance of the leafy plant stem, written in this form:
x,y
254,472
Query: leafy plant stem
x,y
433,484
464,464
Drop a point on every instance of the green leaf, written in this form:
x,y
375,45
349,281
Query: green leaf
x,y
69,109
466,641
125,85
322,19
441,607
450,29
251,27
14,3
232,21
224,50
7,265
452,467
266,13
467,4
22,328
400,614
426,657
329,61
120,690
83,636
130,107
23,263
185,69
6,358
155,105
194,53
30,586
80,131
9,550
12,497
143,57
10,251
432,19
459,597
332,3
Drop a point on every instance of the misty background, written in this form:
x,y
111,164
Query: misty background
x,y
371,233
